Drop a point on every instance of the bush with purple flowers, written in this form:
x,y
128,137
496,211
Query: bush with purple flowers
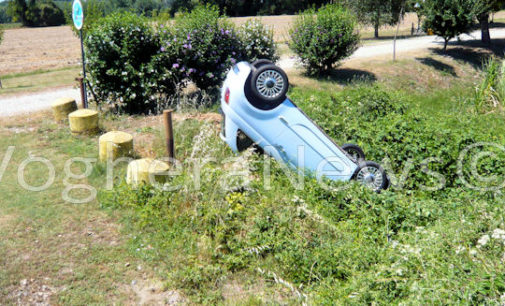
x,y
324,37
209,46
128,67
139,68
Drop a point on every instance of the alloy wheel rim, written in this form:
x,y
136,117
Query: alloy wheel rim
x,y
270,84
370,176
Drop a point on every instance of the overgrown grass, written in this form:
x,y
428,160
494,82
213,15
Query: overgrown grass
x,y
244,243
349,246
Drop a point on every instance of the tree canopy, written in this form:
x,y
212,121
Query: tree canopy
x,y
35,13
378,12
448,18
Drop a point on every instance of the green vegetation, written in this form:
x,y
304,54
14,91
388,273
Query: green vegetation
x,y
147,66
378,12
448,18
122,64
346,245
36,13
490,94
38,80
323,38
234,240
4,17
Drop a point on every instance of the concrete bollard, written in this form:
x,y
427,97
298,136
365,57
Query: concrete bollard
x,y
114,145
84,121
62,108
147,171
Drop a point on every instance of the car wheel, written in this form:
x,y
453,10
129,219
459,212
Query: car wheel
x,y
269,85
261,62
371,175
354,151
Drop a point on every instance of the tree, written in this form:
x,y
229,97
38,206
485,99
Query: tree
x,y
482,10
448,18
36,13
17,10
378,12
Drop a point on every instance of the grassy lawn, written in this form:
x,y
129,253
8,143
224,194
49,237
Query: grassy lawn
x,y
38,80
53,251
244,243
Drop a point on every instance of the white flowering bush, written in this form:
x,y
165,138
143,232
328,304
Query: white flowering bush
x,y
128,67
258,41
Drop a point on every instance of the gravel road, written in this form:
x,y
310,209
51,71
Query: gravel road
x,y
14,105
19,104
402,46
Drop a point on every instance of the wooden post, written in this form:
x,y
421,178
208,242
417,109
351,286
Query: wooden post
x,y
81,85
169,133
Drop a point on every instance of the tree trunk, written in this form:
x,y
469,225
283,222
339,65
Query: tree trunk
x,y
446,42
484,28
377,21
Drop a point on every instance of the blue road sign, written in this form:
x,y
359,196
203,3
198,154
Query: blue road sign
x,y
77,14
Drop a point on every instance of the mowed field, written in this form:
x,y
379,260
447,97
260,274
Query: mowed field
x,y
30,49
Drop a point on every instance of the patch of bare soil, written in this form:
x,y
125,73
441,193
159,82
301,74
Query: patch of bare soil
x,y
32,292
153,293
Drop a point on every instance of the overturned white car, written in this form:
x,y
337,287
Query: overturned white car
x,y
256,110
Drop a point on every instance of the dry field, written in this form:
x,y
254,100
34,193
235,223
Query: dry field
x,y
29,49
282,24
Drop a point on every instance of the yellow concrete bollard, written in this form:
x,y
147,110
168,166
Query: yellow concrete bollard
x,y
62,108
139,171
115,144
84,121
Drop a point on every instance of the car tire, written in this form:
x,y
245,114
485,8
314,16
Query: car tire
x,y
262,62
268,87
354,151
371,175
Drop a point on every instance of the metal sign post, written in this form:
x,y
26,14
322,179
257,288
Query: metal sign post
x,y
78,18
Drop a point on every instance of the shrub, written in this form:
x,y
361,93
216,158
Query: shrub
x,y
210,45
258,41
1,34
128,67
323,38
490,93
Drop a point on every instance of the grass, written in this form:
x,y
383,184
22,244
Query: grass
x,y
71,254
38,80
13,25
248,244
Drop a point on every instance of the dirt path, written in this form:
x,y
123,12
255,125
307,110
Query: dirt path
x,y
19,104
